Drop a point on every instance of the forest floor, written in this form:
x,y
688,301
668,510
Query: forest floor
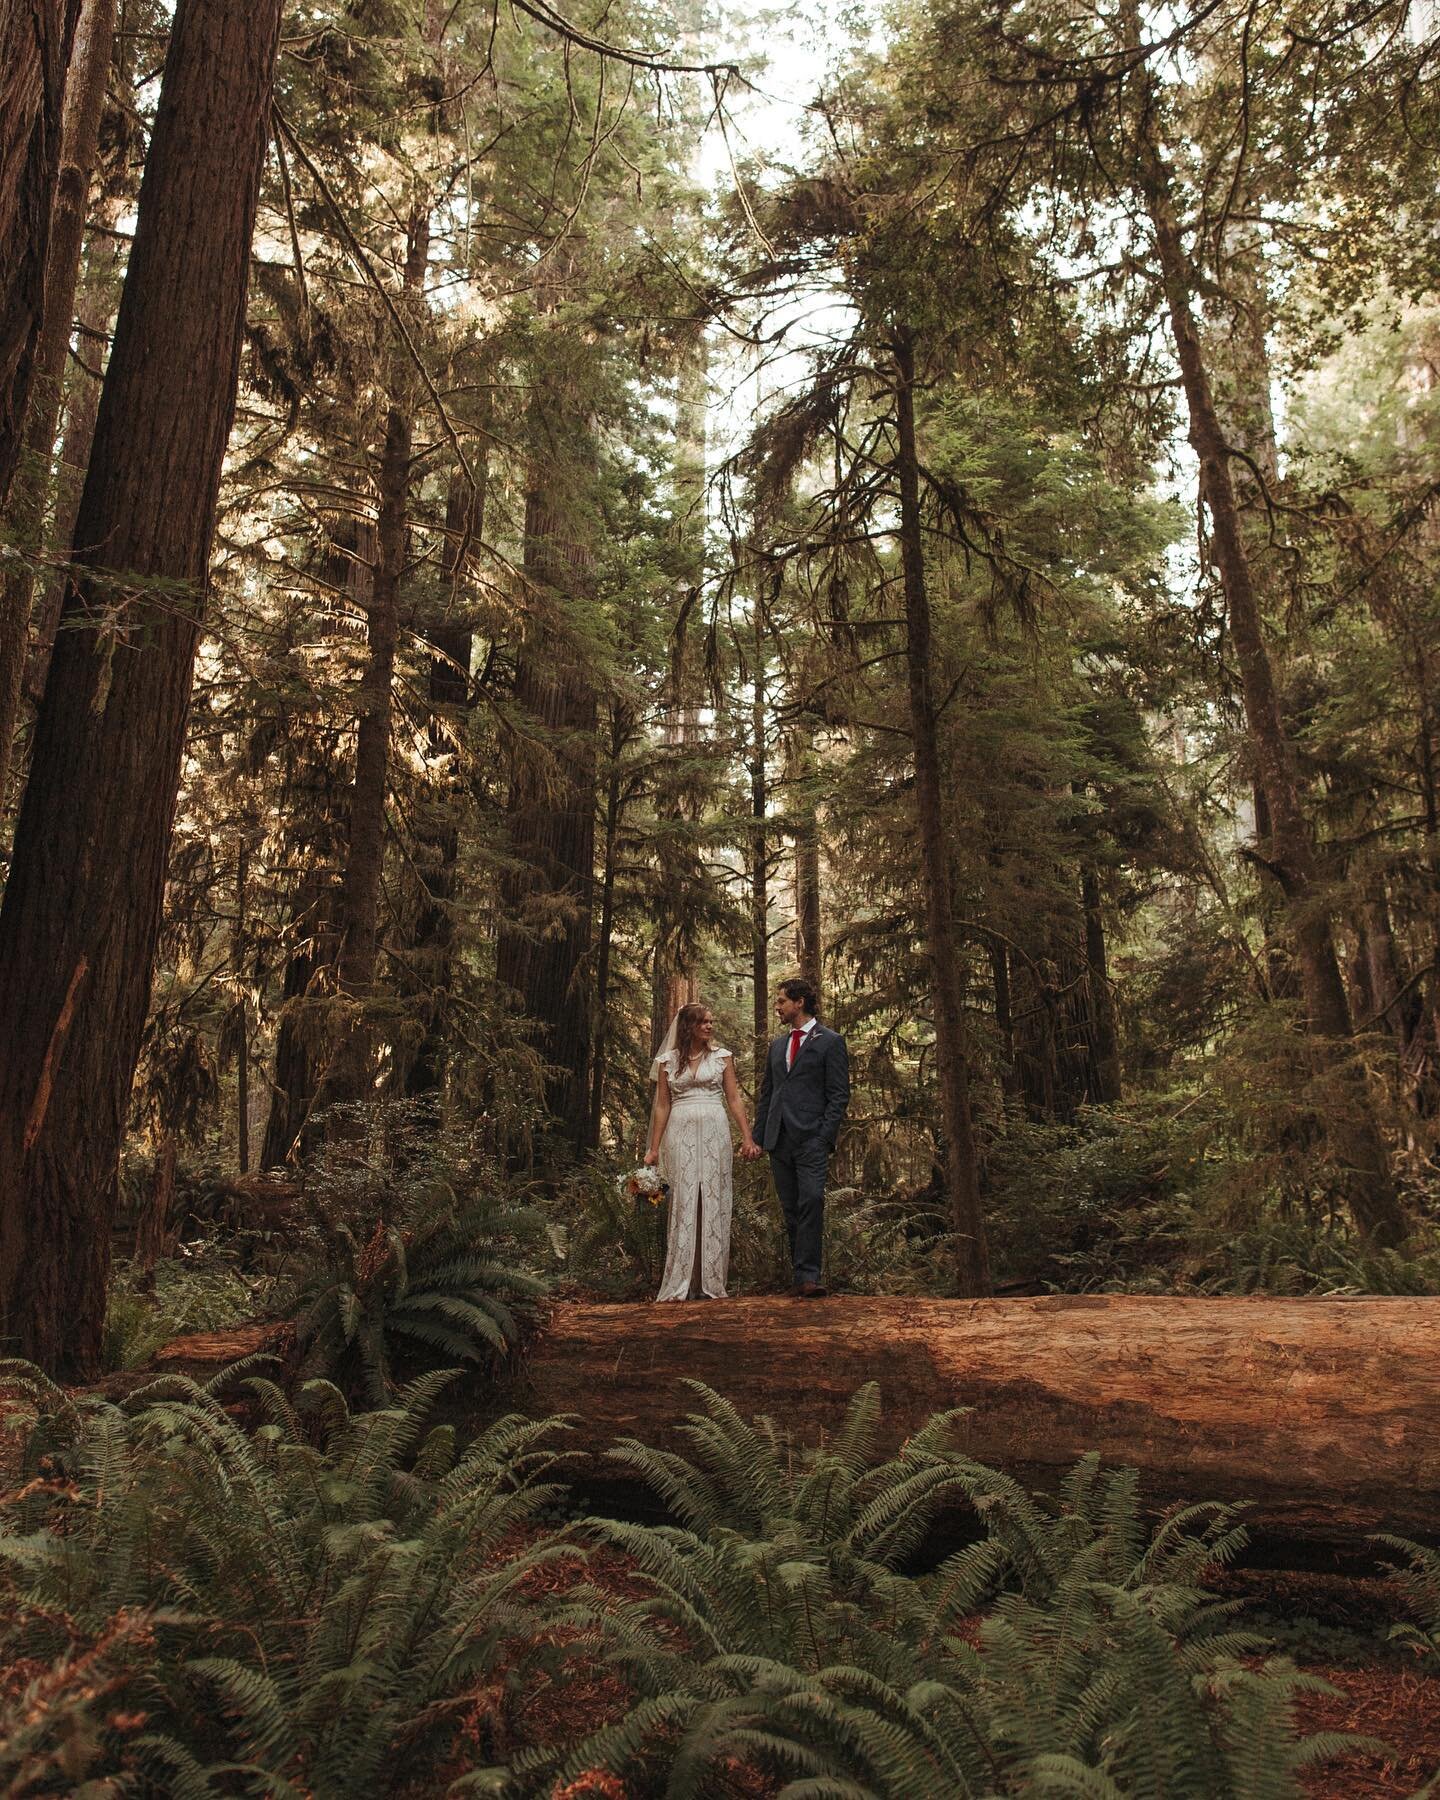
x,y
1334,1627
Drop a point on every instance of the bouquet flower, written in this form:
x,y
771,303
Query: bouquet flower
x,y
645,1186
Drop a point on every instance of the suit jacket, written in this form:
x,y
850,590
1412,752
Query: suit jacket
x,y
810,1097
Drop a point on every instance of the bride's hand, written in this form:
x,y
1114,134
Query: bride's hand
x,y
652,1157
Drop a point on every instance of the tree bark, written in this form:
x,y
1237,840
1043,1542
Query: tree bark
x,y
618,794
242,1096
1004,1018
437,845
1324,1413
239,952
961,1164
1430,789
1235,346
759,866
1105,1053
94,321
808,943
1353,1131
82,908
84,99
349,1076
548,897
299,1040
1387,1010
35,39
674,982
153,1238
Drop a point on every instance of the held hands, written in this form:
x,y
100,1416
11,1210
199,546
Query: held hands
x,y
749,1150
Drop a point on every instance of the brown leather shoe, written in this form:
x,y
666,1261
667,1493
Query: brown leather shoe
x,y
810,1290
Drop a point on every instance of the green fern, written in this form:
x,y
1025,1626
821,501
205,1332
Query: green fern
x,y
1419,1581
315,1591
289,1606
442,1285
778,1631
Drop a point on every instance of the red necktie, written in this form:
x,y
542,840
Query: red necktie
x,y
795,1037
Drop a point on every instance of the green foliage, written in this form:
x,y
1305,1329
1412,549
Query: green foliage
x,y
281,1607
1299,1256
328,1603
203,1289
63,1726
1167,1195
612,1245
780,1635
1106,1192
1419,1581
888,1244
419,1256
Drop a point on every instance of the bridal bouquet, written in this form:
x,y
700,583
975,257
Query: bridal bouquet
x,y
645,1186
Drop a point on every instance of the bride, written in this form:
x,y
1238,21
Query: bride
x,y
690,1138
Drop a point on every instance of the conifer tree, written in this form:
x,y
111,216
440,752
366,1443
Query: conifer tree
x,y
105,766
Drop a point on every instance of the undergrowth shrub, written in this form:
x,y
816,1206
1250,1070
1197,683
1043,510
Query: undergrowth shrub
x,y
781,1636
330,1603
1302,1256
1167,1196
610,1246
204,1288
889,1244
418,1254
1277,1094
1104,1198
1419,1581
62,1721
214,1611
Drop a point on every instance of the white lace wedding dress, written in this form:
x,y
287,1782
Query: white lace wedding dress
x,y
697,1159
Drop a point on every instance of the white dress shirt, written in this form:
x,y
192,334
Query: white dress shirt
x,y
804,1031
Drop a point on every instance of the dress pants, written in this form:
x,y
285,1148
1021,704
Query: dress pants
x,y
798,1167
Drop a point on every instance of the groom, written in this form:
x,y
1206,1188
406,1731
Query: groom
x,y
803,1096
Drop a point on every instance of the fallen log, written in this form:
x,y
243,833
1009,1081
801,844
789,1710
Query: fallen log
x,y
1325,1414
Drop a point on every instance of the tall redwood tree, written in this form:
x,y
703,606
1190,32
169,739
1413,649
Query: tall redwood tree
x,y
962,1176
549,894
34,53
82,908
1352,1126
84,100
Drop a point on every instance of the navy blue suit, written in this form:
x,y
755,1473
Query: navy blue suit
x,y
797,1120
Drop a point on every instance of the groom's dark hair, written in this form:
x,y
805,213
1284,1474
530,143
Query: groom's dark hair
x,y
803,992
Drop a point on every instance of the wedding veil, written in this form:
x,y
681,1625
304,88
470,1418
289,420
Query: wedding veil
x,y
666,1050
